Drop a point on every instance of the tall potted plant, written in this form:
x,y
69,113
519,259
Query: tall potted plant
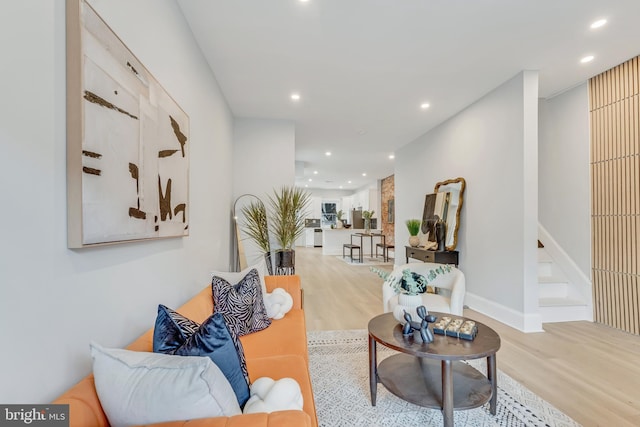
x,y
288,205
255,226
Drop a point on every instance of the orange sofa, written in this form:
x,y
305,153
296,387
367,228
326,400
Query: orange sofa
x,y
278,351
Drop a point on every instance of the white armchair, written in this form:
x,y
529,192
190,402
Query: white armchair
x,y
450,288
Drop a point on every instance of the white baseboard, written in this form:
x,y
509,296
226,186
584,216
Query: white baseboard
x,y
518,320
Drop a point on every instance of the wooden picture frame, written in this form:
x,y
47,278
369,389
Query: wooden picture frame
x,y
127,141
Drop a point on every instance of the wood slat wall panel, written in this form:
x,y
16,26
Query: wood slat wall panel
x,y
614,99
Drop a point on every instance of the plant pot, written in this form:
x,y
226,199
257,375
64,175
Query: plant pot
x,y
339,223
285,262
414,241
408,303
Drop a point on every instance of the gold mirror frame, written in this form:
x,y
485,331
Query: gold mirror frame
x,y
456,188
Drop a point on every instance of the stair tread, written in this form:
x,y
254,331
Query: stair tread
x,y
558,302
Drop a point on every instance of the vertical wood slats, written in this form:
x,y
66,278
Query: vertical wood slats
x,y
614,98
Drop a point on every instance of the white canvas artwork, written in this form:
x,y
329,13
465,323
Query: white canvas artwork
x,y
134,148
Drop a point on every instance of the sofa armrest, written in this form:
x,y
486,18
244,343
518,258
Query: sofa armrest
x,y
290,283
274,419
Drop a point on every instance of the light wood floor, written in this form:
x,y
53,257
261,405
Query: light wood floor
x,y
589,371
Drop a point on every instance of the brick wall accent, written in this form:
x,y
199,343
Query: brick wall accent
x,y
387,193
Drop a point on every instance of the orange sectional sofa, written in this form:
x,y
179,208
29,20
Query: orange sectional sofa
x,y
278,351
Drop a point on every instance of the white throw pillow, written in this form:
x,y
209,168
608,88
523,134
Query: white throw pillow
x,y
144,388
268,395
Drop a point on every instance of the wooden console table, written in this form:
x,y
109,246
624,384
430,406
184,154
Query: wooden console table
x,y
424,255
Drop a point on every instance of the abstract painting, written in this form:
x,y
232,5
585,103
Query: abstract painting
x,y
127,141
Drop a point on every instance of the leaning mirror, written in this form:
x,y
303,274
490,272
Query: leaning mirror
x,y
456,189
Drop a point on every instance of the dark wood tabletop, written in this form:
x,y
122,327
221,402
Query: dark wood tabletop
x,y
386,330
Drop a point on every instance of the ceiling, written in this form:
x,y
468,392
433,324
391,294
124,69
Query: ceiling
x,y
363,68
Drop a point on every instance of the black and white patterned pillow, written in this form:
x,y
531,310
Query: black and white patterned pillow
x,y
241,304
187,326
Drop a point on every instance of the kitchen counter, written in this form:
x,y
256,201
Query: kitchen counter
x,y
334,238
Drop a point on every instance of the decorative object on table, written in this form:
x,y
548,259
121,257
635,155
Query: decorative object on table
x,y
423,327
435,206
441,234
455,188
255,226
456,327
288,207
127,141
367,215
413,226
339,223
409,287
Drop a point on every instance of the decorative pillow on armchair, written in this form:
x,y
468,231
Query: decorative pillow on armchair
x,y
175,334
241,304
420,279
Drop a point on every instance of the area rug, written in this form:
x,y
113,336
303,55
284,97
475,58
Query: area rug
x,y
339,367
366,260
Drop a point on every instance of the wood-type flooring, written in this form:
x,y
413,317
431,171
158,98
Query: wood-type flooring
x,y
589,371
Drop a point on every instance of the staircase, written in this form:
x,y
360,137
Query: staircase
x,y
559,299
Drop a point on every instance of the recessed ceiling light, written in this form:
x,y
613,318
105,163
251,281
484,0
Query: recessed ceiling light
x,y
295,96
599,23
348,182
303,1
310,180
392,156
328,153
315,172
424,105
341,187
364,174
586,59
306,185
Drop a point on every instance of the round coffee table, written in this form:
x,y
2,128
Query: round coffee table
x,y
431,375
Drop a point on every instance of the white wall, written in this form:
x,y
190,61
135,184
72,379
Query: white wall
x,y
54,301
564,191
493,145
264,156
263,161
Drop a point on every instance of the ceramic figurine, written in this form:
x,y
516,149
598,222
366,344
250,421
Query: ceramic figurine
x,y
425,333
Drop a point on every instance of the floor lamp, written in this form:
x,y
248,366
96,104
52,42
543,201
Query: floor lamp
x,y
238,256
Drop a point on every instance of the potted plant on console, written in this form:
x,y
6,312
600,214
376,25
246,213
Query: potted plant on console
x,y
288,207
413,225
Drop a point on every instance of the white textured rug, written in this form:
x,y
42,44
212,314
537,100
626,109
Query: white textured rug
x,y
339,366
